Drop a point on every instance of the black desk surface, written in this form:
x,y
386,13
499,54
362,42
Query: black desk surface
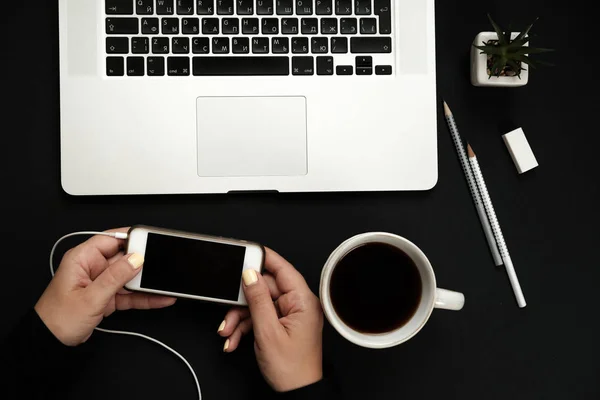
x,y
490,350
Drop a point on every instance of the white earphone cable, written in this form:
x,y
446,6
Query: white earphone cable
x,y
122,236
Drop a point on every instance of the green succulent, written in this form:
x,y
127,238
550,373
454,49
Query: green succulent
x,y
506,53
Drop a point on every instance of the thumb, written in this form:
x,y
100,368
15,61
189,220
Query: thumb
x,y
262,310
109,282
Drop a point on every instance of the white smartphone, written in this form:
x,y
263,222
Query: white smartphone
x,y
193,266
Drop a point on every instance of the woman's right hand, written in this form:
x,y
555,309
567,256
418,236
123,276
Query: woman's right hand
x,y
288,323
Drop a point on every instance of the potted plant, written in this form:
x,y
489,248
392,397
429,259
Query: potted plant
x,y
498,58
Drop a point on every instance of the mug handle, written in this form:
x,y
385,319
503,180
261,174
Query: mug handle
x,y
449,300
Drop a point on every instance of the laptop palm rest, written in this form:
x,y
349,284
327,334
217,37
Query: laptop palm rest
x,y
251,136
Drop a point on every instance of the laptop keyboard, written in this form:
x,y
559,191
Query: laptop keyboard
x,y
248,37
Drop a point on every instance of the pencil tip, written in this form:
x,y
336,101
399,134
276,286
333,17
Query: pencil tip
x,y
470,151
447,109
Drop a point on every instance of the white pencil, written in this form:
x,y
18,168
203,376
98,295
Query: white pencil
x,y
462,155
489,208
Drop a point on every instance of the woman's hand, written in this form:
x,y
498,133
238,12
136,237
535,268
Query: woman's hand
x,y
88,286
287,320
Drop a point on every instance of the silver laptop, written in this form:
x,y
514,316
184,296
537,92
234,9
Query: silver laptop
x,y
217,96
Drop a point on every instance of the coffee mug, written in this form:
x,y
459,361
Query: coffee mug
x,y
431,296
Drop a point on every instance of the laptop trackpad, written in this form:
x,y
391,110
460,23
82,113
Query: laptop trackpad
x,y
251,136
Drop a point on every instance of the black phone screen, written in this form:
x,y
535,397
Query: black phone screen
x,y
190,266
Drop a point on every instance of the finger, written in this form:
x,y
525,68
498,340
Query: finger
x,y
262,310
109,282
234,340
141,301
273,288
108,246
232,320
286,276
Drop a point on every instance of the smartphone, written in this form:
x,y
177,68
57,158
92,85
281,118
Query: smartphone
x,y
192,266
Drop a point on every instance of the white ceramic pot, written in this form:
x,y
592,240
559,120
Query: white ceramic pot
x,y
479,75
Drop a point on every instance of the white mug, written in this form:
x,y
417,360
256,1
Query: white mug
x,y
431,296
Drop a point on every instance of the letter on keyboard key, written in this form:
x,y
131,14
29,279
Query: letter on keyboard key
x,y
185,7
285,7
245,7
260,45
383,9
231,26
241,66
324,7
220,45
348,26
319,45
368,26
160,45
170,26
119,7
303,65
300,45
363,7
210,26
240,45
144,7
205,7
343,7
329,26
264,7
370,45
122,26
164,7
150,26
304,7
178,66
281,45
200,45
310,26
289,26
225,7
249,26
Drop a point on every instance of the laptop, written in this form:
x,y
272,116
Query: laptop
x,y
218,96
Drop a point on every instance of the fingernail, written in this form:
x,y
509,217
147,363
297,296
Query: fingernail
x,y
226,345
222,326
136,260
249,277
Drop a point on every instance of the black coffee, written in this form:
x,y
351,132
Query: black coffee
x,y
376,288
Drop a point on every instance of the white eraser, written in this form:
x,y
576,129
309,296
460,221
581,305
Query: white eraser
x,y
520,151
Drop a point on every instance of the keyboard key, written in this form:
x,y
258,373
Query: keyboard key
x,y
178,66
383,70
260,45
325,65
304,7
285,7
115,66
324,7
144,7
140,45
364,65
119,7
300,45
329,26
181,45
164,7
250,26
363,7
240,45
210,26
190,26
371,45
245,7
185,7
310,26
383,9
343,7
231,26
160,45
122,26
264,7
155,66
303,66
225,7
319,45
200,45
241,66
339,45
348,26
368,26
135,66
270,26
117,45
150,26
281,45
220,45
170,26
289,26
205,7
344,70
